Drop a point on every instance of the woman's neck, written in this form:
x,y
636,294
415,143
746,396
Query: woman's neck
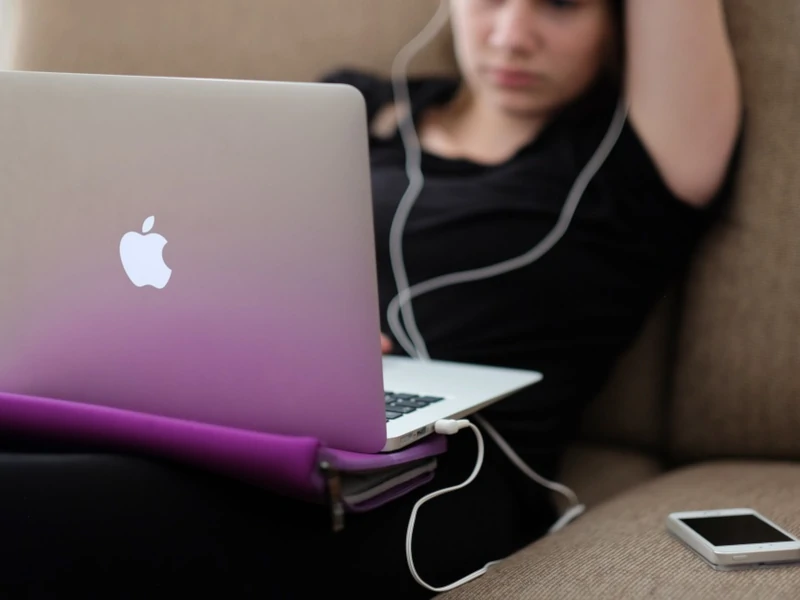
x,y
470,128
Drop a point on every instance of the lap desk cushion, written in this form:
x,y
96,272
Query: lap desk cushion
x,y
621,549
300,467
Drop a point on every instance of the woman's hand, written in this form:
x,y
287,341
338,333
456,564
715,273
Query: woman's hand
x,y
386,345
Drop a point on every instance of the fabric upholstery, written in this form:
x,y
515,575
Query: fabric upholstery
x,y
256,39
597,473
737,386
621,549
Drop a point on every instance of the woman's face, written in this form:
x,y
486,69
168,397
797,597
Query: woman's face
x,y
531,57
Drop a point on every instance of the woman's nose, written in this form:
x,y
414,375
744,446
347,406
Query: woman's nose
x,y
514,27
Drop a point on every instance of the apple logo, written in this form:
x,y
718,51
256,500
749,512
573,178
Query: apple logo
x,y
142,257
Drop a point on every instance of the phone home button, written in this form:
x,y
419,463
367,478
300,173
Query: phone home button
x,y
740,557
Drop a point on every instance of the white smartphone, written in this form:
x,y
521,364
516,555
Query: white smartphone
x,y
734,538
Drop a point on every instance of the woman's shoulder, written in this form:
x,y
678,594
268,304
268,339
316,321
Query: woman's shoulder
x,y
602,127
375,88
378,89
364,80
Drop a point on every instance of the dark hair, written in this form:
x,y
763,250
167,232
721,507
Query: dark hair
x,y
617,65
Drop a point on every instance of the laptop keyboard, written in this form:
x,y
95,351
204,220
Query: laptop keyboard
x,y
398,404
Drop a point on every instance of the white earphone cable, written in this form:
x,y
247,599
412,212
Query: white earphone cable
x,y
415,344
416,180
401,304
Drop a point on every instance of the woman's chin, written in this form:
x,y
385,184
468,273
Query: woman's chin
x,y
521,103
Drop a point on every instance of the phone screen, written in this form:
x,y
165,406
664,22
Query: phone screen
x,y
735,530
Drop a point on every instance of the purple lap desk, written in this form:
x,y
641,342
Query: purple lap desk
x,y
283,464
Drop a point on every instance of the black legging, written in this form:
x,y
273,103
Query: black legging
x,y
108,526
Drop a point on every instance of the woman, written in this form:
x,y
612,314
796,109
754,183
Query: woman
x,y
502,145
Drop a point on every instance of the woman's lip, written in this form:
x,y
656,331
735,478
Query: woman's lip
x,y
513,77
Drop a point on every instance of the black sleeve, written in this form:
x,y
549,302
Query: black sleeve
x,y
632,167
377,91
631,196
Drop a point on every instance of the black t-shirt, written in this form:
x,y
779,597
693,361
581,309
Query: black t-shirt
x,y
569,314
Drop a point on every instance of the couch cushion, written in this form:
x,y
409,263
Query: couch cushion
x,y
256,39
737,380
622,550
596,473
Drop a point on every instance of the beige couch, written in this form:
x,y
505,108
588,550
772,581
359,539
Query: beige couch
x,y
704,412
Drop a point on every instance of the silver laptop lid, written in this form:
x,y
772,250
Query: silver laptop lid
x,y
266,313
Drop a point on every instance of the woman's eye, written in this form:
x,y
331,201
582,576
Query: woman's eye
x,y
562,3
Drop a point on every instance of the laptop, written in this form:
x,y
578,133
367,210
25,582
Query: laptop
x,y
204,249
